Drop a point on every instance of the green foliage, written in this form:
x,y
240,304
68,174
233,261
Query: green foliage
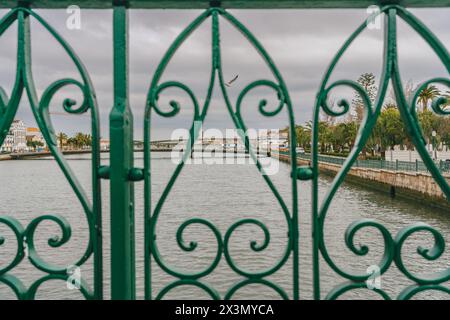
x,y
34,144
389,131
62,138
332,138
78,141
303,135
430,121
367,81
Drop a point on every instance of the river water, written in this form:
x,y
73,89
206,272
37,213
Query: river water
x,y
223,194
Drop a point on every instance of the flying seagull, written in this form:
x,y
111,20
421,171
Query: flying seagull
x,y
228,84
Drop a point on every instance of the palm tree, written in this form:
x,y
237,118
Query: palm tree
x,y
78,139
71,142
62,138
303,136
427,94
88,140
82,140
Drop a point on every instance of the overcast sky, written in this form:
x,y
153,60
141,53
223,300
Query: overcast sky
x,y
301,42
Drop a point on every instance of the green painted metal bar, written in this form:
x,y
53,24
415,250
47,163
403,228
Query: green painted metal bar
x,y
392,245
122,189
229,4
40,109
188,277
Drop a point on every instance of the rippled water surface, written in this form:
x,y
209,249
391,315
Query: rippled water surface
x,y
222,194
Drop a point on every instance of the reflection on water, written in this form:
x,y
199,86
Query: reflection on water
x,y
222,194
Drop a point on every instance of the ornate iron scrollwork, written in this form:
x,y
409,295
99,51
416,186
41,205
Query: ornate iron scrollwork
x,y
392,246
151,219
40,108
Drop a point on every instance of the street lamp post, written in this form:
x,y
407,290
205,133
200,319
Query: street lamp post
x,y
433,134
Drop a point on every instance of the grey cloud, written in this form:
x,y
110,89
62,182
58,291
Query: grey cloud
x,y
301,42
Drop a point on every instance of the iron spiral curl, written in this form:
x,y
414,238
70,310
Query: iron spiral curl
x,y
438,104
409,292
213,294
264,282
189,248
430,254
263,103
348,286
175,105
19,232
392,247
280,89
343,103
54,242
255,246
40,107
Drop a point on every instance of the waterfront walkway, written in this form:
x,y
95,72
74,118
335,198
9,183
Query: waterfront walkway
x,y
411,180
414,166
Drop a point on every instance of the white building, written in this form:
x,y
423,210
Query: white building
x,y
104,144
19,132
8,144
273,139
35,135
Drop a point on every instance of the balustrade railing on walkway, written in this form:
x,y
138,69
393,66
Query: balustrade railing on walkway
x,y
398,165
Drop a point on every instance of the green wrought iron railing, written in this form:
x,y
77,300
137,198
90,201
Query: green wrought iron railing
x,y
397,165
24,82
123,174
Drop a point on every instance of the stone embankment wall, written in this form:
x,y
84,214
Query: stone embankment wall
x,y
412,185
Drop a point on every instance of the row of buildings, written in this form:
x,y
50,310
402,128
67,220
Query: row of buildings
x,y
27,139
22,138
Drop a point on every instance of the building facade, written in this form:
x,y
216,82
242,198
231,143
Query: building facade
x,y
8,144
16,140
35,139
19,132
104,144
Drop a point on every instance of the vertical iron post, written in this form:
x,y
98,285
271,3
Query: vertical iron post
x,y
121,154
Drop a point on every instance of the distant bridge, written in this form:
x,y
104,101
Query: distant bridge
x,y
156,146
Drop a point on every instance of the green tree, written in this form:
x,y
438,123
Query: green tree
x,y
444,131
303,135
367,81
338,137
88,140
81,140
62,138
324,136
426,119
34,144
389,129
71,143
350,131
430,122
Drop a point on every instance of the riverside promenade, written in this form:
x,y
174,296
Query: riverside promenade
x,y
36,155
401,182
